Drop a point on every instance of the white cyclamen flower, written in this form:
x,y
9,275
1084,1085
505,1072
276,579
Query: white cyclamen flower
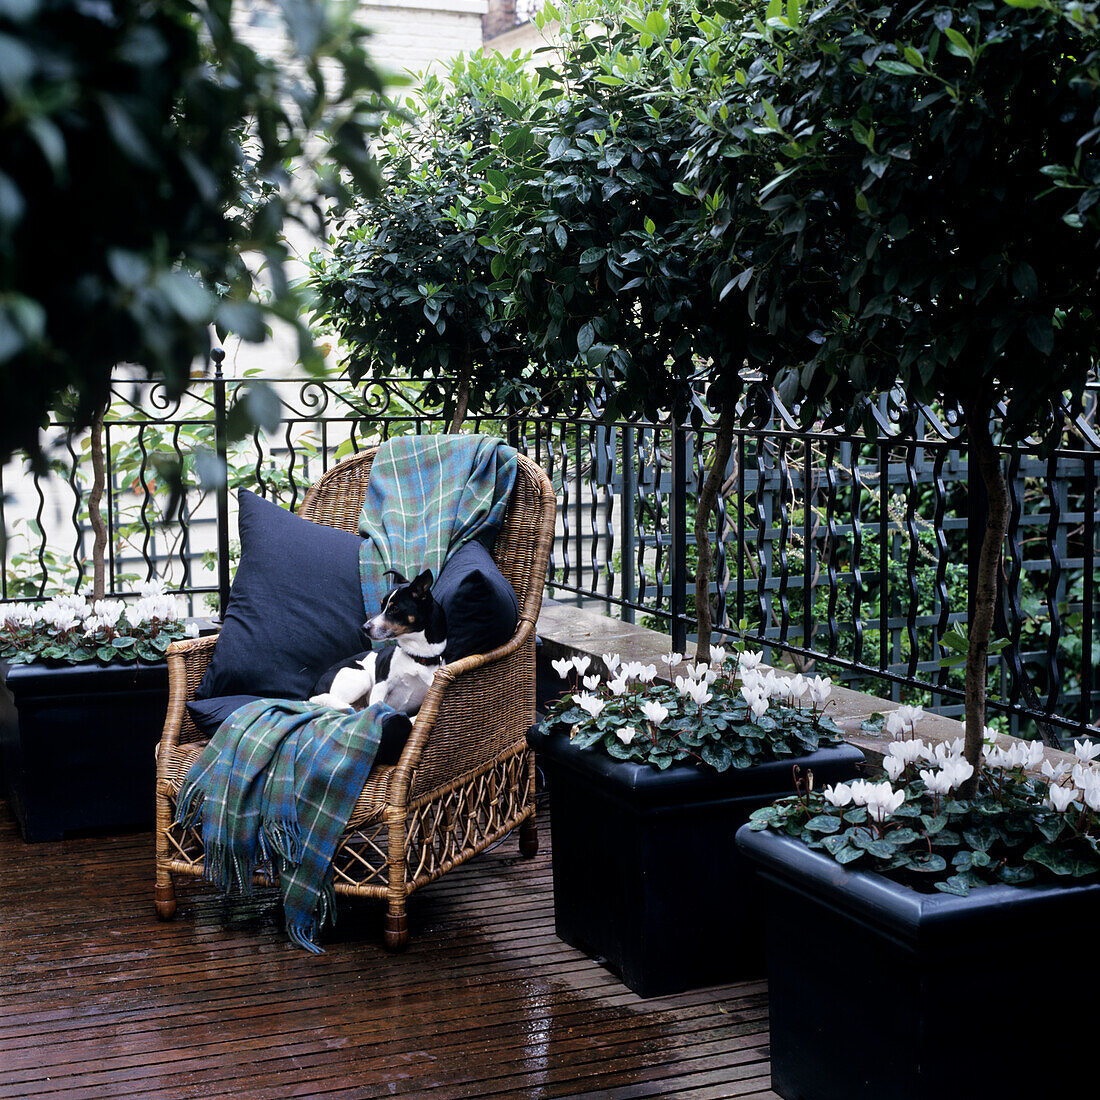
x,y
908,751
758,704
1054,772
820,688
590,703
697,671
882,801
18,616
631,670
938,782
611,662
1085,776
838,795
192,629
697,692
581,664
748,661
108,612
1061,798
893,766
617,687
654,712
647,674
591,683
1085,751
626,734
957,770
859,789
562,667
797,687
672,659
717,655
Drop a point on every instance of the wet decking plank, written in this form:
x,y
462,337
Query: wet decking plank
x,y
98,999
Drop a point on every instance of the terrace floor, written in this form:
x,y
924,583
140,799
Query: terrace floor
x,y
97,999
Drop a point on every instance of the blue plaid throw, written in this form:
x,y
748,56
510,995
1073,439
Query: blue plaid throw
x,y
279,779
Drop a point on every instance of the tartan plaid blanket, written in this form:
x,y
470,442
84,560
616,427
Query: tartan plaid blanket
x,y
427,496
279,779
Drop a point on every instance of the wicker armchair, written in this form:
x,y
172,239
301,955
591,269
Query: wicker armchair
x,y
465,776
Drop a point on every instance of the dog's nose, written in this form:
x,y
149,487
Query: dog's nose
x,y
377,628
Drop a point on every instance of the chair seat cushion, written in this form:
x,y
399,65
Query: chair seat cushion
x,y
296,605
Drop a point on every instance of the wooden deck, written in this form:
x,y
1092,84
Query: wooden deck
x,y
97,999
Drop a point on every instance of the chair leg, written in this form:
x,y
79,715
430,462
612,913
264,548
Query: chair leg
x,y
529,838
397,928
165,895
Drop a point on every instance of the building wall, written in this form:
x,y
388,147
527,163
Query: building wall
x,y
409,35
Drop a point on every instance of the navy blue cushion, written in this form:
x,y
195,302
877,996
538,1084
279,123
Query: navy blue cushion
x,y
481,608
208,714
295,608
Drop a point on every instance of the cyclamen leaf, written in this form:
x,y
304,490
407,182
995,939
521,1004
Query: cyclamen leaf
x,y
929,864
847,855
956,884
823,823
1057,860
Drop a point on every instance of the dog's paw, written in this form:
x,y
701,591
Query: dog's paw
x,y
330,700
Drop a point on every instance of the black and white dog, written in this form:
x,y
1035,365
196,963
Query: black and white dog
x,y
398,675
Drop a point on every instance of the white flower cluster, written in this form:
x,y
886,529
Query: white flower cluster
x,y
1085,776
155,603
880,799
64,614
903,720
759,688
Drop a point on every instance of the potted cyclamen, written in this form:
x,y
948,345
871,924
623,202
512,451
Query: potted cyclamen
x,y
914,935
648,783
81,708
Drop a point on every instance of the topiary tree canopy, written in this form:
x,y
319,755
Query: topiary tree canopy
x,y
934,168
145,151
408,283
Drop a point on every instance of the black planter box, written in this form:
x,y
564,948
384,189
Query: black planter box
x,y
77,744
877,991
646,875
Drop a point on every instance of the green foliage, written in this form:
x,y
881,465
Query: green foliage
x,y
1007,833
720,733
147,153
912,149
410,285
598,237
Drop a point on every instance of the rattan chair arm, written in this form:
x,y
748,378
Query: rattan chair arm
x,y
183,657
445,680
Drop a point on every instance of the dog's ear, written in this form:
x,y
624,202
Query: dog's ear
x,y
422,585
399,578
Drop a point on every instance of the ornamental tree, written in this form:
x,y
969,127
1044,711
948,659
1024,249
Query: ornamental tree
x,y
601,242
146,151
408,283
914,148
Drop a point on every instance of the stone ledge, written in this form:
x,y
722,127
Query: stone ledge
x,y
566,631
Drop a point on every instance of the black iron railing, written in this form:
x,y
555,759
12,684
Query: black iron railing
x,y
850,553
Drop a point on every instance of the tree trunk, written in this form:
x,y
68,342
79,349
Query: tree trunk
x,y
95,516
983,451
705,505
461,392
